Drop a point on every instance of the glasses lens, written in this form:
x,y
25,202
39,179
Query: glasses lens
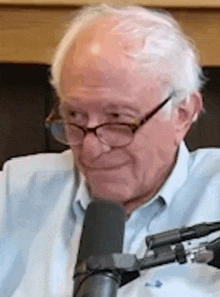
x,y
74,134
115,134
57,129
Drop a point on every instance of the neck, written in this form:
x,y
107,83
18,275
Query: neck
x,y
136,202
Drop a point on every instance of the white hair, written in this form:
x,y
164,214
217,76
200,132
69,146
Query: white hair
x,y
165,50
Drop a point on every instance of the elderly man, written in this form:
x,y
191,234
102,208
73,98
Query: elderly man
x,y
128,83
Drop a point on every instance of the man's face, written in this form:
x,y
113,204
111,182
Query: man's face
x,y
100,85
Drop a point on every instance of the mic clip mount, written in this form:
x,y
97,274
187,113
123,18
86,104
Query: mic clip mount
x,y
128,264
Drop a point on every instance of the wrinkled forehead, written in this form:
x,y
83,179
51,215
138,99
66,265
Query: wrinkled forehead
x,y
98,57
102,42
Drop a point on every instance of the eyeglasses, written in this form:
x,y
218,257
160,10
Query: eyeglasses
x,y
111,134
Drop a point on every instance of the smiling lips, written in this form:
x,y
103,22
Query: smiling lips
x,y
103,168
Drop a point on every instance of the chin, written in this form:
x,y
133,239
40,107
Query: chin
x,y
111,192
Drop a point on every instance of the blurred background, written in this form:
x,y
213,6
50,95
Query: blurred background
x,y
29,33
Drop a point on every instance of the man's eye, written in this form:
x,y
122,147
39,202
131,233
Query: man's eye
x,y
75,116
121,117
115,115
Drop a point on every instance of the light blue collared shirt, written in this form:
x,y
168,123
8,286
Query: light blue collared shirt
x,y
42,203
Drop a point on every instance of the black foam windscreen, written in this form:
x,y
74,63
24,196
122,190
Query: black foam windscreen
x,y
103,230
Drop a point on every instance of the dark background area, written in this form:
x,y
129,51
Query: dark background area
x,y
26,99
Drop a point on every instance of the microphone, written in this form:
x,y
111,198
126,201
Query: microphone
x,y
102,234
181,234
11,266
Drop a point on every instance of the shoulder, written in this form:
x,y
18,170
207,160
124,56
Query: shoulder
x,y
41,161
41,170
205,161
35,186
203,183
197,199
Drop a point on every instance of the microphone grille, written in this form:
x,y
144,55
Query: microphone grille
x,y
103,230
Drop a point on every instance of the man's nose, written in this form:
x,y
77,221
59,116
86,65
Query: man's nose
x,y
92,147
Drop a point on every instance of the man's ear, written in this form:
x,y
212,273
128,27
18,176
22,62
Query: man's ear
x,y
184,115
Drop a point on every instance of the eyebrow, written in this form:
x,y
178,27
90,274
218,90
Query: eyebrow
x,y
107,106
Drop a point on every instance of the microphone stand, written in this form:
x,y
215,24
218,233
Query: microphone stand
x,y
116,265
163,248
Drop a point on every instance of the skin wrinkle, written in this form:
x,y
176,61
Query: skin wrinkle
x,y
155,189
110,77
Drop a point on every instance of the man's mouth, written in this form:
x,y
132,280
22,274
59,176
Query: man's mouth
x,y
100,168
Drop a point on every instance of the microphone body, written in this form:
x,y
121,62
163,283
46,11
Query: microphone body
x,y
102,234
178,235
98,285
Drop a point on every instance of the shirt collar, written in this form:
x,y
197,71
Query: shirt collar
x,y
82,198
178,175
